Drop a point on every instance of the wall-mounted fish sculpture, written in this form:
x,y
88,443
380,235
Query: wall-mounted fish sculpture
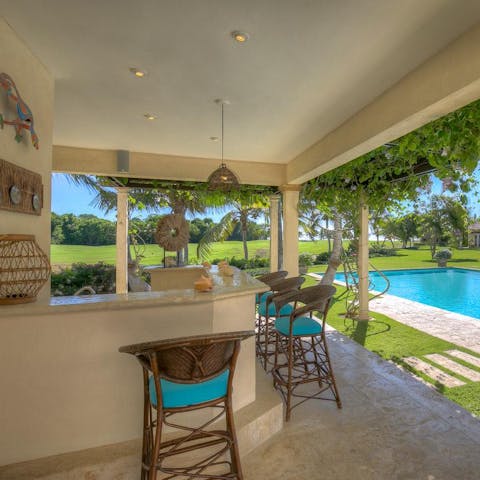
x,y
24,120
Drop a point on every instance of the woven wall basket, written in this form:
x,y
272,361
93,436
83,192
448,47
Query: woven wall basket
x,y
172,232
24,269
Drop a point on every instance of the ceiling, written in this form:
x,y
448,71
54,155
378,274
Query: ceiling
x,y
309,65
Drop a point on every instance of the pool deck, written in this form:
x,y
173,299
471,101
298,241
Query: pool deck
x,y
453,327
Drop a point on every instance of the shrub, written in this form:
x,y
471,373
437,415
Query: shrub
x,y
305,259
322,258
444,254
100,277
378,251
242,264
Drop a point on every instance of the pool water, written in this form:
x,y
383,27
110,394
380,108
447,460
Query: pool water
x,y
453,289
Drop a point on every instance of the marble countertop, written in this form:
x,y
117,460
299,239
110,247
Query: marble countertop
x,y
241,283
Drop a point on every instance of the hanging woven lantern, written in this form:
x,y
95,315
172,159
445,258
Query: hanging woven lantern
x,y
223,179
24,269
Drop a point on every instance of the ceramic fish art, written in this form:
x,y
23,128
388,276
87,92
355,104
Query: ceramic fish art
x,y
24,120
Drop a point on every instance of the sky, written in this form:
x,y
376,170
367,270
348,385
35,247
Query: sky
x,y
70,198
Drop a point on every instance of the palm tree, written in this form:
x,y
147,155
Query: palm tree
x,y
244,209
194,201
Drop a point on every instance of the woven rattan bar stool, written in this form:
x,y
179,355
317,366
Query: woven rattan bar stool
x,y
182,375
269,279
266,312
302,367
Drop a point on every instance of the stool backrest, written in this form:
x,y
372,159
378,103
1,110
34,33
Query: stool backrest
x,y
268,278
287,284
307,300
189,359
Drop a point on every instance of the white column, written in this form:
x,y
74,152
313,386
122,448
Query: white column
x,y
274,205
363,262
290,228
122,241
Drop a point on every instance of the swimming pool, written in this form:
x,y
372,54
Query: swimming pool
x,y
453,289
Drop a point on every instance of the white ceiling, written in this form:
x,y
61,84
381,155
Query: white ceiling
x,y
309,65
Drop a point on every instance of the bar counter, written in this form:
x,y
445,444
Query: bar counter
x,y
65,386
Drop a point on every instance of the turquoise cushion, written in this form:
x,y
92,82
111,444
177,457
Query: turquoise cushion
x,y
302,326
187,394
262,297
272,312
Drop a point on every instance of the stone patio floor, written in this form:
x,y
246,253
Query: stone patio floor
x,y
392,426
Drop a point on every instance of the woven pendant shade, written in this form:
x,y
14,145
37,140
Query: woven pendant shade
x,y
24,269
223,179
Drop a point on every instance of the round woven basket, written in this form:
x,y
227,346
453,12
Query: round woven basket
x,y
172,232
24,269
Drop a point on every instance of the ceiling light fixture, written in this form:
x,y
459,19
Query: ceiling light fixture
x,y
240,37
150,116
137,72
222,179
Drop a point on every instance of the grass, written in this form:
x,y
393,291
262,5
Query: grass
x,y
153,255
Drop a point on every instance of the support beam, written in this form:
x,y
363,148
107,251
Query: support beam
x,y
363,262
91,161
122,241
290,228
274,216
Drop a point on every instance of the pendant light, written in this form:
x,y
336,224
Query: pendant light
x,y
222,179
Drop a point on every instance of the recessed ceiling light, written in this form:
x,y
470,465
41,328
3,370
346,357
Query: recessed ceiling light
x,y
214,139
137,72
240,37
150,116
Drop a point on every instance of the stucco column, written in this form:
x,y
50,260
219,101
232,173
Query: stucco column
x,y
290,228
363,262
122,241
274,206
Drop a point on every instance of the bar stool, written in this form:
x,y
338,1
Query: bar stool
x,y
301,353
266,312
182,375
270,279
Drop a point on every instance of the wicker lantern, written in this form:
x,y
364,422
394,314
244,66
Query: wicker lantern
x,y
222,179
24,269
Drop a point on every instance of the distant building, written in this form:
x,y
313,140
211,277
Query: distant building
x,y
474,235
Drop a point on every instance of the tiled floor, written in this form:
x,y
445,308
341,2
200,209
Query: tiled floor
x,y
392,426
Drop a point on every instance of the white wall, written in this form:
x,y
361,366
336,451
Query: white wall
x,y
35,85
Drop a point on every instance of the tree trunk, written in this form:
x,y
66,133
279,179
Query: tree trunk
x,y
328,237
244,228
335,257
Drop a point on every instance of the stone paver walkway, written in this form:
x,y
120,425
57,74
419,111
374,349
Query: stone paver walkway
x,y
452,327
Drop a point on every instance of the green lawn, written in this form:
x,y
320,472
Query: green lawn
x,y
153,255
405,258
